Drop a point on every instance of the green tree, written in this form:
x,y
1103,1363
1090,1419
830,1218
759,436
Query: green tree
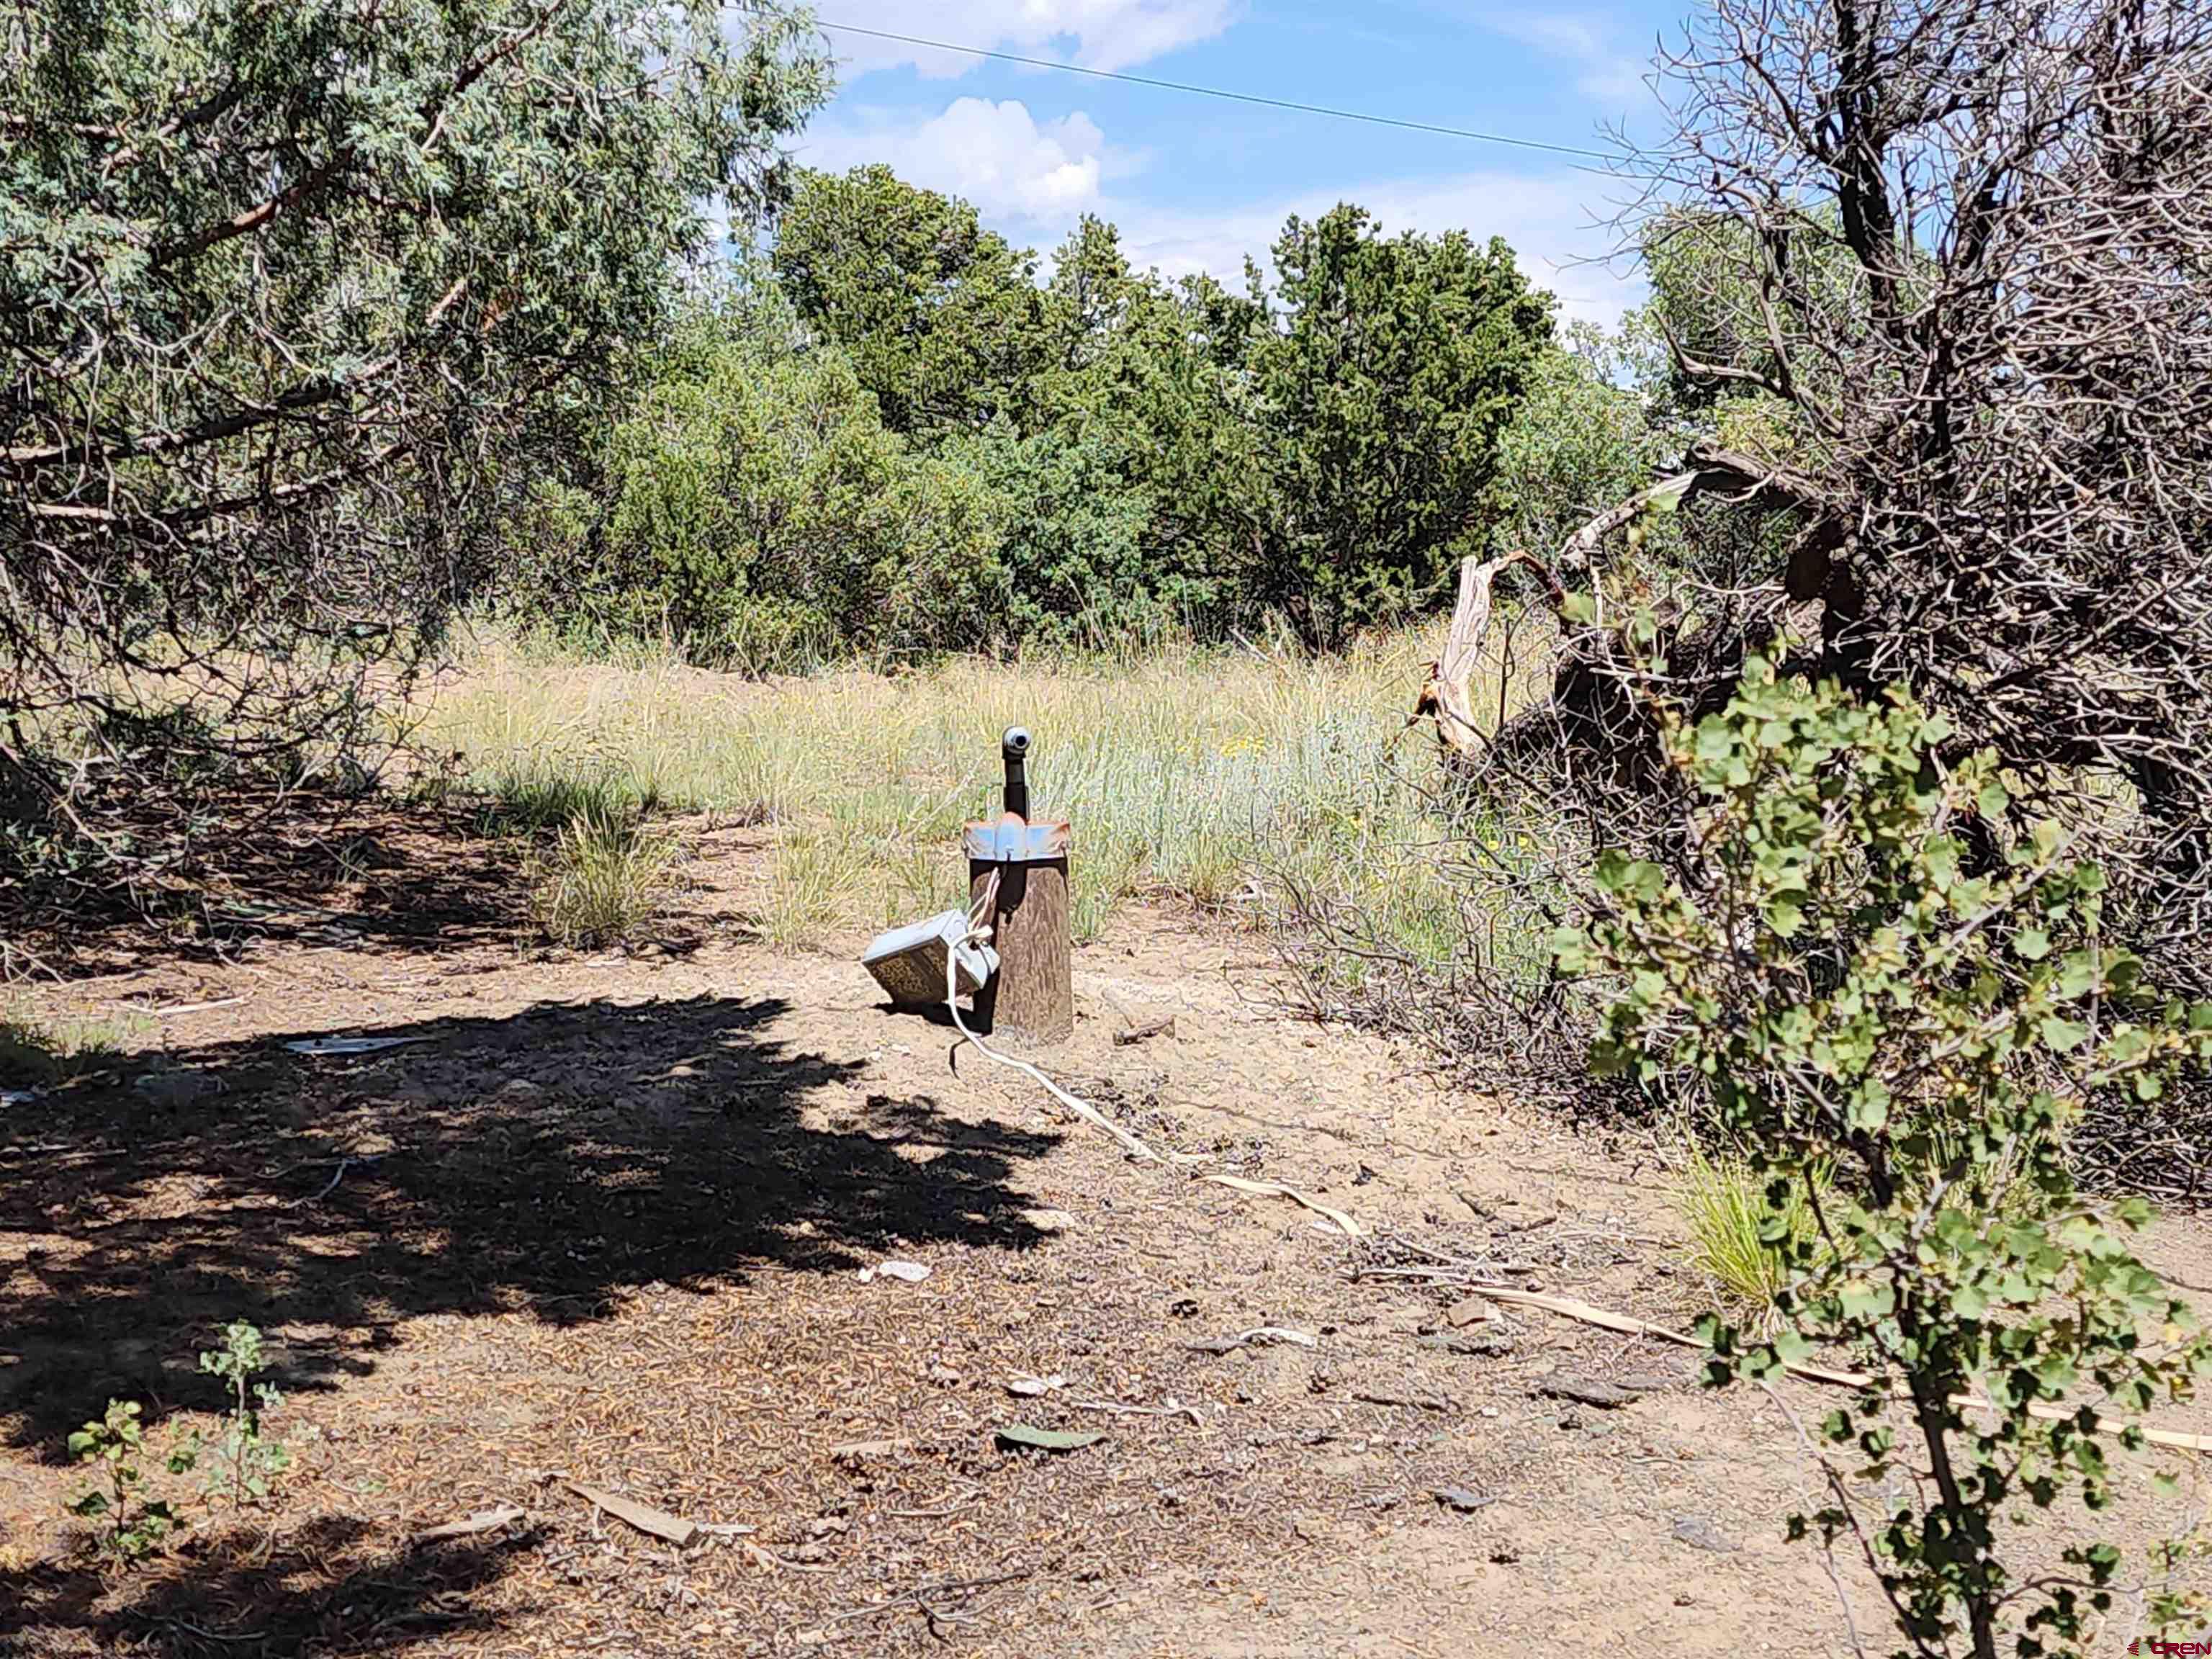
x,y
940,316
1135,397
1901,1033
1075,537
286,288
761,516
1394,363
1578,441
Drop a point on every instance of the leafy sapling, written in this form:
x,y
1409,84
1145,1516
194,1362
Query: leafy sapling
x,y
1899,1020
111,1447
246,1461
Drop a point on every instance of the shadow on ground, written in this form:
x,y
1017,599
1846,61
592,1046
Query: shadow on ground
x,y
330,1587
331,869
548,1161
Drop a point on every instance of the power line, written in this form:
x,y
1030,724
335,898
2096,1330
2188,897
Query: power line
x,y
1222,92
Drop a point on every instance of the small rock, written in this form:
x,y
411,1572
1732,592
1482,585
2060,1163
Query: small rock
x,y
1047,1220
1472,1310
1478,1347
942,1373
1586,1391
860,1451
1700,1533
1461,1499
912,1272
174,1088
521,1088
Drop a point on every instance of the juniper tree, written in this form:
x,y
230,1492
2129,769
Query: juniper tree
x,y
287,294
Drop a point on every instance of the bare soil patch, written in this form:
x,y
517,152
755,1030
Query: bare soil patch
x,y
610,1219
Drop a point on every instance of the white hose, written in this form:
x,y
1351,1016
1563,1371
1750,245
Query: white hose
x,y
979,930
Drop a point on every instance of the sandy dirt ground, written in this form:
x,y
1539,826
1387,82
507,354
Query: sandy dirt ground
x,y
611,1220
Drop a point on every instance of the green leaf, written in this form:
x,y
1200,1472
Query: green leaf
x,y
1666,499
2062,1036
1571,950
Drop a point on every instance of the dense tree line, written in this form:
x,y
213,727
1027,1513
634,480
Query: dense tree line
x,y
890,429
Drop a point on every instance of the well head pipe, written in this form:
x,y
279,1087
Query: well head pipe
x,y
1015,746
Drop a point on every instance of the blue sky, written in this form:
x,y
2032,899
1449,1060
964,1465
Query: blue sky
x,y
1195,184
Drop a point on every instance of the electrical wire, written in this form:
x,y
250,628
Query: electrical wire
x,y
1222,92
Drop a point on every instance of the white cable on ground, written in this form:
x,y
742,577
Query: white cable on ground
x,y
1082,1108
977,930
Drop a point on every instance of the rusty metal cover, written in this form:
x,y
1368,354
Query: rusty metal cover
x,y
1009,840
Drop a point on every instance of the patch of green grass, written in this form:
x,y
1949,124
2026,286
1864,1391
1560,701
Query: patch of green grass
x,y
523,803
36,1050
1724,1202
604,878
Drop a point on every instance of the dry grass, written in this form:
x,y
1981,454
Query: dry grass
x,y
36,1050
604,879
1186,773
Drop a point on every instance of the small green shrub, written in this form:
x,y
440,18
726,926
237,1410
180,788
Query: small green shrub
x,y
604,878
523,801
26,1053
1849,990
246,1461
111,1446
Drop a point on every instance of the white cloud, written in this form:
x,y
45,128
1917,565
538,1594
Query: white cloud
x,y
998,156
1106,34
1547,219
1592,41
